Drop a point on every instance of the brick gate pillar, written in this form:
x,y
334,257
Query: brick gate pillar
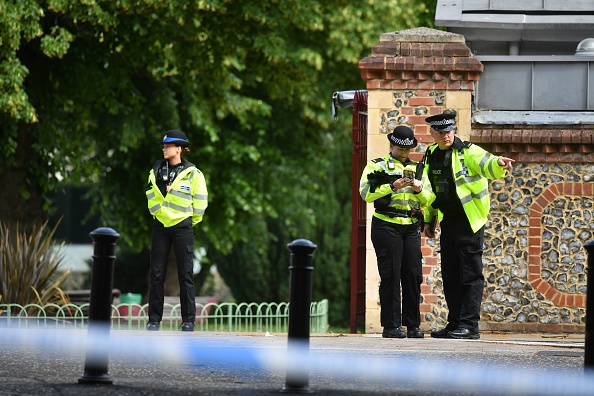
x,y
410,75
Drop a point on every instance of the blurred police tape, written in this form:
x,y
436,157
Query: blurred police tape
x,y
397,368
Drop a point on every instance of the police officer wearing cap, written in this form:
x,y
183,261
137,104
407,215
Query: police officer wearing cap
x,y
458,172
398,197
177,198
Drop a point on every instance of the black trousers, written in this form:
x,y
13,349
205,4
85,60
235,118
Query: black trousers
x,y
398,251
462,272
181,237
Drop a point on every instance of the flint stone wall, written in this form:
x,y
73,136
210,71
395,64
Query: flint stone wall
x,y
521,295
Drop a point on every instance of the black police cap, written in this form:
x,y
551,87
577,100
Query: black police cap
x,y
442,122
403,136
175,137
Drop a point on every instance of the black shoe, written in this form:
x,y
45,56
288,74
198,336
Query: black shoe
x,y
464,334
443,333
414,332
152,326
188,326
393,332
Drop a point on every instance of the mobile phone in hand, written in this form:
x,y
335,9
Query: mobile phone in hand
x,y
408,174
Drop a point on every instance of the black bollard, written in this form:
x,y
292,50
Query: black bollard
x,y
297,380
104,241
589,343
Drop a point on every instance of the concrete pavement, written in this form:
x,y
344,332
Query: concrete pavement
x,y
51,362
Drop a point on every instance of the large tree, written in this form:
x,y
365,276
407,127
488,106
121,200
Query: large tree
x,y
88,88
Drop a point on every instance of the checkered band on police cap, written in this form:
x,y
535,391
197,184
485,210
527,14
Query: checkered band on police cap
x,y
442,122
403,137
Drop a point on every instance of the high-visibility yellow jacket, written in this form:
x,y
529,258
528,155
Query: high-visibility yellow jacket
x,y
403,199
187,196
472,166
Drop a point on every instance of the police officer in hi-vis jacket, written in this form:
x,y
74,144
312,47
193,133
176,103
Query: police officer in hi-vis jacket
x,y
458,172
177,198
398,197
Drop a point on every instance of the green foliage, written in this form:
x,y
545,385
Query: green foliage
x,y
92,86
29,262
332,234
257,270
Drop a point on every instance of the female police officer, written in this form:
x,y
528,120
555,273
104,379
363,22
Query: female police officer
x,y
177,198
390,184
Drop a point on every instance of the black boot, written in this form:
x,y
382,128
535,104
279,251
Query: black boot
x,y
393,332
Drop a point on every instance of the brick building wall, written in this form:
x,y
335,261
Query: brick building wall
x,y
541,214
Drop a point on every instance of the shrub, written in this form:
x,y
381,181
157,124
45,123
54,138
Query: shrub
x,y
29,262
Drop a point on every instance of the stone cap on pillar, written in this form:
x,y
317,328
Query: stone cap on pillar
x,y
423,35
420,54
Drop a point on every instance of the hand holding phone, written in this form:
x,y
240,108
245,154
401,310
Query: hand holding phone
x,y
408,175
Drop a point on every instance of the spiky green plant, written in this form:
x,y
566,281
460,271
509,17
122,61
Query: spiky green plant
x,y
29,261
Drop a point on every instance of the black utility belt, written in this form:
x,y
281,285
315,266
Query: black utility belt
x,y
399,212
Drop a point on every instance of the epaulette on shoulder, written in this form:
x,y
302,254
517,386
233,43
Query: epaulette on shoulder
x,y
459,144
158,164
377,160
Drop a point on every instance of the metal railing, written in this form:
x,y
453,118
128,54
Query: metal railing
x,y
223,317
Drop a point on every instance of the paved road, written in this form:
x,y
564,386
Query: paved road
x,y
34,362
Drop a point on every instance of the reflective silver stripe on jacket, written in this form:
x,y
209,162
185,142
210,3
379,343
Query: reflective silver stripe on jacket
x,y
405,202
467,180
153,209
179,194
488,158
472,196
177,207
364,187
